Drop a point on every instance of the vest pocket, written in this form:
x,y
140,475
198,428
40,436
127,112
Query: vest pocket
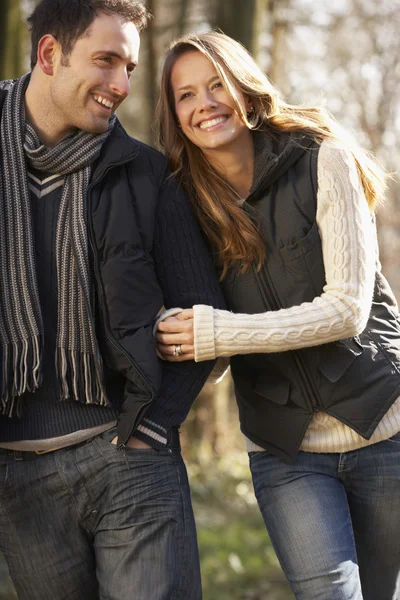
x,y
267,385
338,356
296,249
273,386
302,268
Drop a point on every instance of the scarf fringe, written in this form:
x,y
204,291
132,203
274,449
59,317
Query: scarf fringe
x,y
78,359
80,377
20,373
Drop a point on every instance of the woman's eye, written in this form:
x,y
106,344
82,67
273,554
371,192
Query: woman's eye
x,y
185,95
218,84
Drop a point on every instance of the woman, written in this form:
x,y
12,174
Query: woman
x,y
286,203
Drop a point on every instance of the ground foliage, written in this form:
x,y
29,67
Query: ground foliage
x,y
237,558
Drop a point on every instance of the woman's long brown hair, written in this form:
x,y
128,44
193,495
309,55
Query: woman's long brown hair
x,y
232,234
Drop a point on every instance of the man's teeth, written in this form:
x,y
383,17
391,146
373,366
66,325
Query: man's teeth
x,y
212,122
103,101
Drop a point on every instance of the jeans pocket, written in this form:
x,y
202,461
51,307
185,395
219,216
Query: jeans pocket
x,y
132,451
395,439
254,455
3,476
109,434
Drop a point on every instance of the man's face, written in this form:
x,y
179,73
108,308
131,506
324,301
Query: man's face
x,y
89,85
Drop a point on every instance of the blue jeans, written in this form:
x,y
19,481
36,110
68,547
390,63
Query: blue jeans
x,y
334,520
93,522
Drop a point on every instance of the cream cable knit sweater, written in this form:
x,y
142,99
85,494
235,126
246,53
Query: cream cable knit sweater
x,y
350,256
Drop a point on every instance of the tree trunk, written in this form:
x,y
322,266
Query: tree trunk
x,y
151,69
4,14
279,31
11,39
184,9
237,19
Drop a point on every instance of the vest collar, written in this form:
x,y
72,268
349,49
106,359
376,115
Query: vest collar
x,y
274,154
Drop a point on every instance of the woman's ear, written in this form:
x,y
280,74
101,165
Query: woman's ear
x,y
249,107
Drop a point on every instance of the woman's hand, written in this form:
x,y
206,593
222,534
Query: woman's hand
x,y
175,337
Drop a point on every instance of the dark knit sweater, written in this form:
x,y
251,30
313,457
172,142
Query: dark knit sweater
x,y
44,415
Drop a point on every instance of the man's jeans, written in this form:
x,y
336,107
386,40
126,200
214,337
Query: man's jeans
x,y
334,520
94,522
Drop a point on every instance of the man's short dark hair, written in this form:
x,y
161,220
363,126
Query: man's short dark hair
x,y
68,20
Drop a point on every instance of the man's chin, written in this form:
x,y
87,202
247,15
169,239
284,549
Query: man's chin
x,y
98,126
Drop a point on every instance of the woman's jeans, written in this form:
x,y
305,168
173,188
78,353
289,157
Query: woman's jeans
x,y
334,520
94,522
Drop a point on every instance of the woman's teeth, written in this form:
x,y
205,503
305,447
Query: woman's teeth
x,y
212,122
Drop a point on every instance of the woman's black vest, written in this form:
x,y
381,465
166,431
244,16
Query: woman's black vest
x,y
355,380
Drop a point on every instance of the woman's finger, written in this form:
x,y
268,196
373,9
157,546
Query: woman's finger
x,y
185,314
177,349
168,339
176,352
175,325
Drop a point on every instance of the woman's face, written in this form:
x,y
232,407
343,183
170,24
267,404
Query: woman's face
x,y
205,110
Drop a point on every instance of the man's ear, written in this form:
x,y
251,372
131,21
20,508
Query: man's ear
x,y
47,54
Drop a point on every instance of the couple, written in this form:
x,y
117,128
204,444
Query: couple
x,y
96,237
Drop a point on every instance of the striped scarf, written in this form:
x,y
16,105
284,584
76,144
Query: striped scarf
x,y
78,360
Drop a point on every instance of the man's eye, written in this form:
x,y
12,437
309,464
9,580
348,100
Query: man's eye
x,y
106,59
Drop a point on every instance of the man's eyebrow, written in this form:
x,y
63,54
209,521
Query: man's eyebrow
x,y
185,87
115,55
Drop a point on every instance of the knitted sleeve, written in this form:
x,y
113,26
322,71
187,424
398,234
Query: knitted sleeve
x,y
348,238
186,276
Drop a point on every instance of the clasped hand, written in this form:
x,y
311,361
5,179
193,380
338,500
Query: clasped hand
x,y
176,334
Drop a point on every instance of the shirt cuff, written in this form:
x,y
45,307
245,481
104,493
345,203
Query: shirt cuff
x,y
204,343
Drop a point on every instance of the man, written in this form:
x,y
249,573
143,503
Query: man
x,y
95,238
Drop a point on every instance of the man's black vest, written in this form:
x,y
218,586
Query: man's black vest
x,y
355,380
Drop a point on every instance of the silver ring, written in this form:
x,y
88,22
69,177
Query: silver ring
x,y
177,350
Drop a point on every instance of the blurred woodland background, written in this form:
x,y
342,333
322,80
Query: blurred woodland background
x,y
344,53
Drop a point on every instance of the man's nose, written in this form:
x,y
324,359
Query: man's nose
x,y
120,83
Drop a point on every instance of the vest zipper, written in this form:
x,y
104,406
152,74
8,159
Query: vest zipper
x,y
273,303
